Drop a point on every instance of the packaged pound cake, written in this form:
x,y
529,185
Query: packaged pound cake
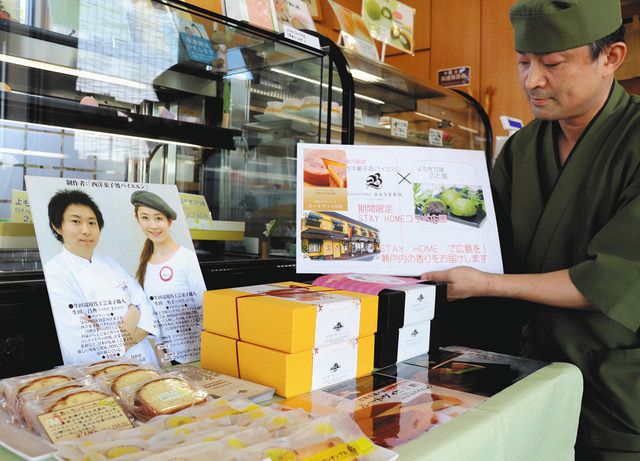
x,y
162,395
59,401
13,388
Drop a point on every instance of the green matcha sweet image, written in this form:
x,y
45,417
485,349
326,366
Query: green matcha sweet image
x,y
373,10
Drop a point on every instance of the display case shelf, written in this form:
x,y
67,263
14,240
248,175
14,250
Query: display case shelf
x,y
70,114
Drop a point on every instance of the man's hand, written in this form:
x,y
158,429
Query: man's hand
x,y
550,288
462,282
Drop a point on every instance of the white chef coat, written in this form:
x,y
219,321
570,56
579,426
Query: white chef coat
x,y
175,289
89,299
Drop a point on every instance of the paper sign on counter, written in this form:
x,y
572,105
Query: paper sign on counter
x,y
399,127
20,209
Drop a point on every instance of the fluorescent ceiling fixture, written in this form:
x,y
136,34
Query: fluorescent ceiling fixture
x,y
71,71
100,134
35,153
368,98
435,119
365,76
324,85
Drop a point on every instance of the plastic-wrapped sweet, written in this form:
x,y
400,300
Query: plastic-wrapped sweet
x,y
177,435
222,449
332,437
246,438
46,392
110,368
129,378
291,105
60,401
112,449
283,423
209,422
13,388
273,107
169,439
162,395
203,451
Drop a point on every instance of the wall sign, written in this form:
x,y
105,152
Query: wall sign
x,y
456,76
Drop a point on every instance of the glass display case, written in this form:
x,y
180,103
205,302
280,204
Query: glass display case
x,y
393,108
150,92
159,91
156,92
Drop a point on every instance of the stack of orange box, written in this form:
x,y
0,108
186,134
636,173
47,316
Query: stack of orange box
x,y
290,336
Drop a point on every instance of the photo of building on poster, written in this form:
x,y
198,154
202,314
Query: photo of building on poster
x,y
121,272
330,235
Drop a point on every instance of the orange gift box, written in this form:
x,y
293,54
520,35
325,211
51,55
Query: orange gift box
x,y
289,374
290,317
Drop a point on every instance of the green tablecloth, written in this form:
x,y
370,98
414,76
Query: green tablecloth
x,y
535,419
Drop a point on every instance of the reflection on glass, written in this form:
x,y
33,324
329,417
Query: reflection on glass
x,y
142,91
128,40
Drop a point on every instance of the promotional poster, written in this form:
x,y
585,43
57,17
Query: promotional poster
x,y
391,22
120,268
394,210
354,32
294,13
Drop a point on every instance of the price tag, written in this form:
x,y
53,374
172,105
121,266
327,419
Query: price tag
x,y
301,37
357,117
399,127
362,47
20,209
435,137
196,211
84,419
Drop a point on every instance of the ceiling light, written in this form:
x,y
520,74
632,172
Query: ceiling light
x,y
100,134
435,119
324,85
71,71
7,150
365,76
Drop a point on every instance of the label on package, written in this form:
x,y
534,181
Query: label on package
x,y
337,321
335,363
337,316
413,340
419,303
84,419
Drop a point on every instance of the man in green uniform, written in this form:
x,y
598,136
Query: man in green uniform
x,y
566,189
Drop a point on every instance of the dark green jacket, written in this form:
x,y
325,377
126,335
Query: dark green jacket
x,y
584,217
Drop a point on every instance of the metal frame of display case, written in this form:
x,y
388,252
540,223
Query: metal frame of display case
x,y
338,60
488,150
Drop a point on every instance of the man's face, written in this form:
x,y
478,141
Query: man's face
x,y
562,85
79,230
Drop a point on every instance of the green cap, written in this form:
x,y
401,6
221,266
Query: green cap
x,y
547,26
151,200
